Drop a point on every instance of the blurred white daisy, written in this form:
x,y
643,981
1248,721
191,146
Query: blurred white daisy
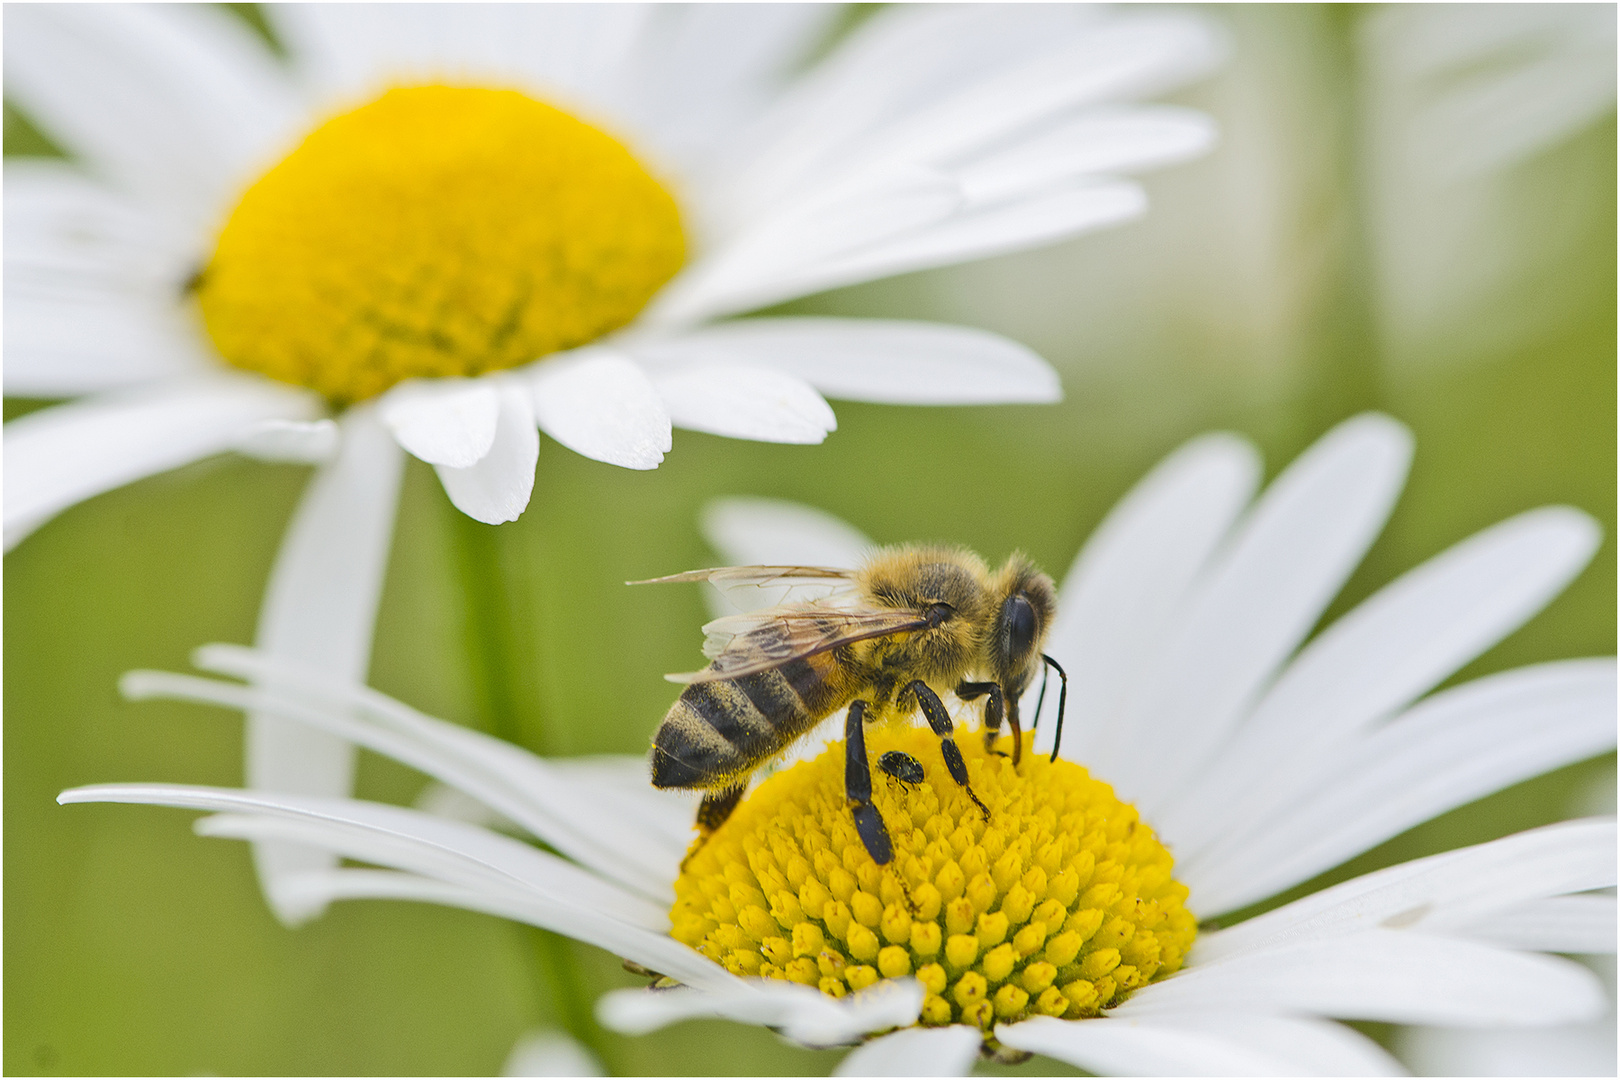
x,y
422,198
1259,759
452,227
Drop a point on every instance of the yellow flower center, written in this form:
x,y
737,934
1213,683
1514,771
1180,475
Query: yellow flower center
x,y
436,231
1060,905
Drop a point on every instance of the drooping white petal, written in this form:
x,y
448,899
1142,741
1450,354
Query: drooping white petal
x,y
469,857
1304,536
1449,891
319,609
883,360
1131,577
1561,924
497,486
1449,750
555,894
1395,646
443,421
1404,977
1203,1043
598,832
300,442
549,1052
180,103
744,402
802,1013
63,455
618,824
601,405
946,1051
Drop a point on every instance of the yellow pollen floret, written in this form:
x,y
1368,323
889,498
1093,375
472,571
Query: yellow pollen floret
x,y
1060,904
436,231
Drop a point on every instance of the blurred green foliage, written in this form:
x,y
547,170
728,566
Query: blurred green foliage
x,y
1246,300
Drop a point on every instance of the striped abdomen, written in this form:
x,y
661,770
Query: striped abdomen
x,y
719,731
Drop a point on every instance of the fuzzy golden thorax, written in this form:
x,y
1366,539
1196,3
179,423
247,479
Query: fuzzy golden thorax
x,y
952,586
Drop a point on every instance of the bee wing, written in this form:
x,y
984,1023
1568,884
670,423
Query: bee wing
x,y
759,641
750,588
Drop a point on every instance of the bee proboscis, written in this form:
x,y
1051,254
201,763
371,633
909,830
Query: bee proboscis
x,y
884,640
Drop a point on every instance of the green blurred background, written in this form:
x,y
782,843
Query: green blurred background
x,y
1307,270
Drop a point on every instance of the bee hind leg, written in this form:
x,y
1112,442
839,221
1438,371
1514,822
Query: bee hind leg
x,y
940,720
712,813
858,788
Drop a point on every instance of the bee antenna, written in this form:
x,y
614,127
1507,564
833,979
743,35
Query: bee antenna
x,y
1063,700
1040,701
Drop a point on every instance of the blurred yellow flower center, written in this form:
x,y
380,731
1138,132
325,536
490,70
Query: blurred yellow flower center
x,y
436,231
1060,905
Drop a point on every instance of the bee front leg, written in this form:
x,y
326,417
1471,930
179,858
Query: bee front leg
x,y
858,787
940,720
994,710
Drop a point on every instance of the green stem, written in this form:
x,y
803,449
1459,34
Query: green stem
x,y
491,644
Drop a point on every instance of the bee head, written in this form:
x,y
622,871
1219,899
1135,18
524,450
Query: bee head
x,y
1027,601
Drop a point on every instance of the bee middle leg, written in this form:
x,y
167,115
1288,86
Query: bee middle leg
x,y
940,720
858,787
995,710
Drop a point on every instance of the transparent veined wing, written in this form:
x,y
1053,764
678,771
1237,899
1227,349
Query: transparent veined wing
x,y
741,645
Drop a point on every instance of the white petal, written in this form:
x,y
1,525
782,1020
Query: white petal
x,y
802,1013
772,532
1452,890
301,442
883,360
603,406
744,402
1097,141
67,232
1393,647
62,342
497,487
1399,976
703,70
775,259
979,232
946,1051
599,832
1132,576
443,421
549,1052
940,240
1300,543
1212,1043
1561,924
63,455
319,609
1449,750
557,895
179,103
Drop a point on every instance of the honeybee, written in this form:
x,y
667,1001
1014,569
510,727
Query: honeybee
x,y
885,640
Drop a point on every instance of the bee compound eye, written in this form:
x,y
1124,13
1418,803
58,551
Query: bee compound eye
x,y
1020,623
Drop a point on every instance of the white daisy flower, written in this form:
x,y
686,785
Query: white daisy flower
x,y
1255,758
456,226
427,200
